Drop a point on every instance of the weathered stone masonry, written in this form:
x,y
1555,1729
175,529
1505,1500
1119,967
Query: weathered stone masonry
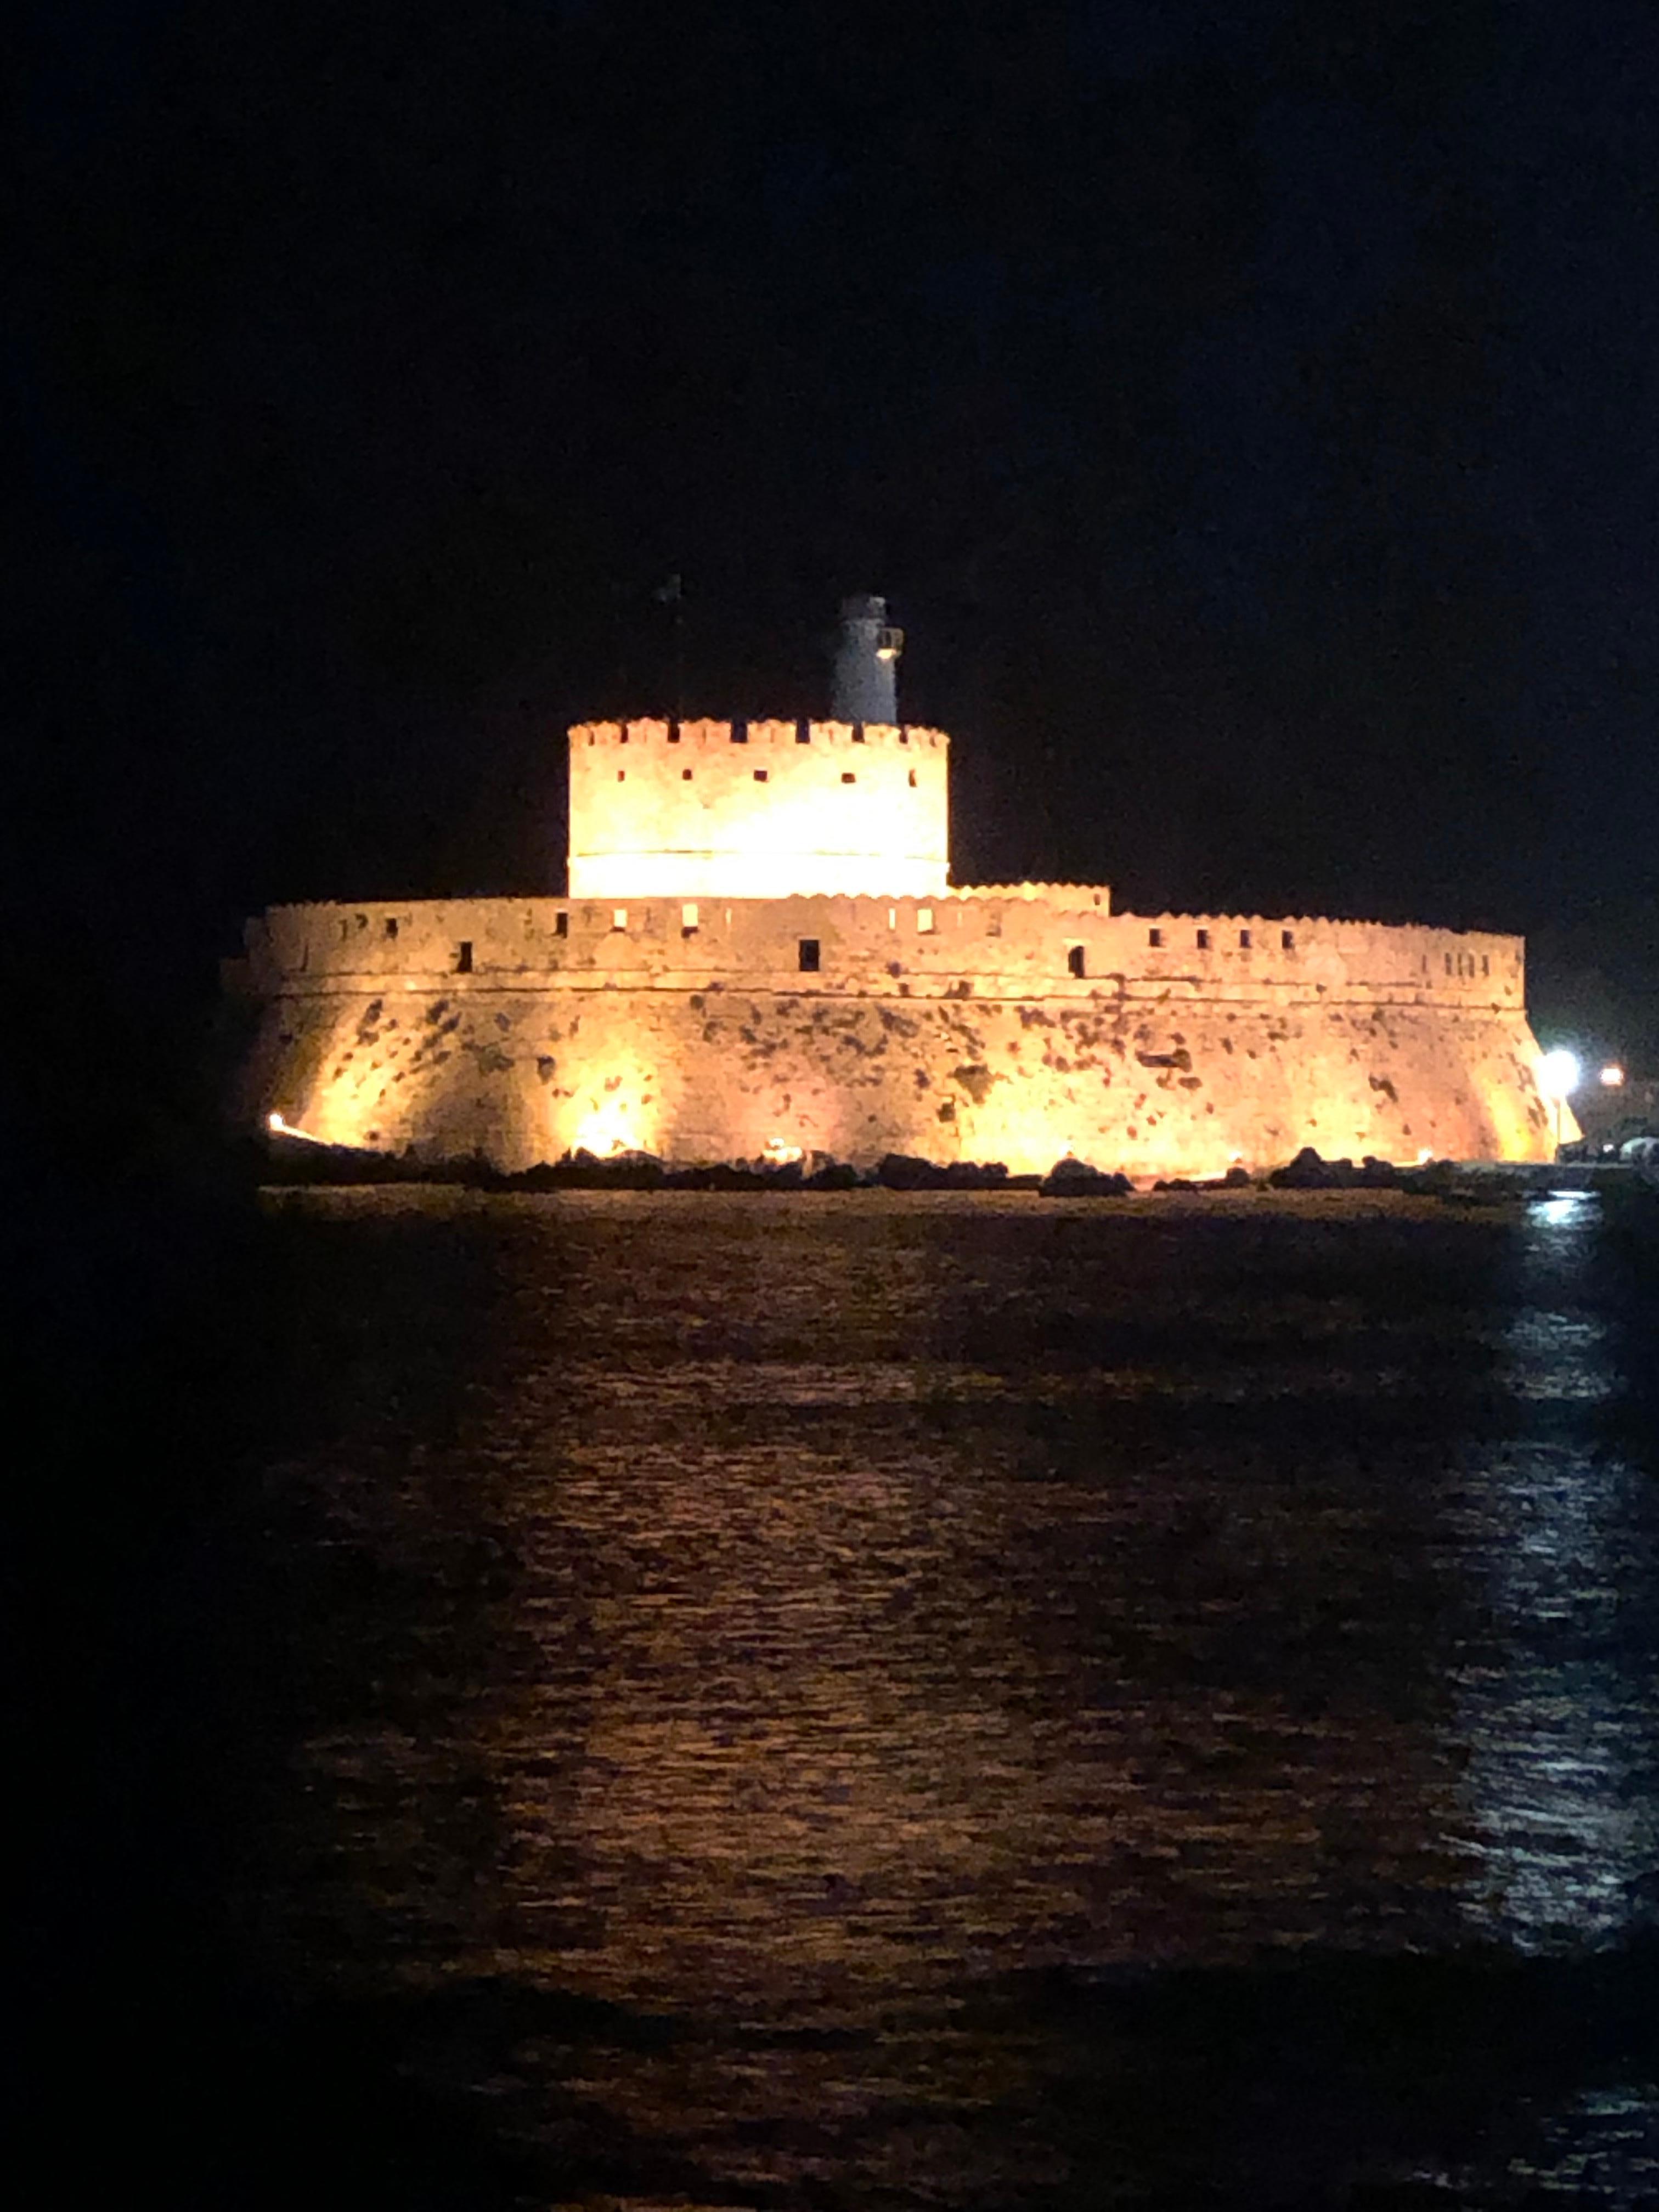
x,y
1011,1022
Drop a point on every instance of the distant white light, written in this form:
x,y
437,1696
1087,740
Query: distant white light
x,y
1611,1076
275,1121
1425,1153
1558,1073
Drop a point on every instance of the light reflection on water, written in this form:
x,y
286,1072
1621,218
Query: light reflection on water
x,y
807,1619
1555,1704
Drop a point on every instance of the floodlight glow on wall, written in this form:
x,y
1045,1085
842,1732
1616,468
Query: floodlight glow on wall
x,y
280,1127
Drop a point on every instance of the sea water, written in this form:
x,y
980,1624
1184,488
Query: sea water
x,y
956,1700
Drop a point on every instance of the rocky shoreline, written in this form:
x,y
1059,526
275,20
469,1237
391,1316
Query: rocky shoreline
x,y
281,1159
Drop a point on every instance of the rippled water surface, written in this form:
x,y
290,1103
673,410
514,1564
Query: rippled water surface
x,y
962,1701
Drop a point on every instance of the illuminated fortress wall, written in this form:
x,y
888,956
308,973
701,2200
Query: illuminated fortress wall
x,y
1013,1023
760,951
756,809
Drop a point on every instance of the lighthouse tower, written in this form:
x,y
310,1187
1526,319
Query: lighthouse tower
x,y
866,663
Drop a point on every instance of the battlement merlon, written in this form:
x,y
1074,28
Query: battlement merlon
x,y
650,730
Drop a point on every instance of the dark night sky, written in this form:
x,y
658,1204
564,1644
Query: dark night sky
x,y
1248,412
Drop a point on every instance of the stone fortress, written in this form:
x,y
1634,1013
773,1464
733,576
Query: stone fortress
x,y
761,955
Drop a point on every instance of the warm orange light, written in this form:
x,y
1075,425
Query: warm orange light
x,y
619,1115
280,1127
606,1130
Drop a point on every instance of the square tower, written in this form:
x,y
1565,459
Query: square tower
x,y
758,809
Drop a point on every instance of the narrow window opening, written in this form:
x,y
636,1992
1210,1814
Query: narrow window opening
x,y
925,921
463,957
685,775
1074,960
802,733
993,924
858,733
1203,941
1448,965
739,733
807,951
1287,940
619,917
1244,940
913,779
392,925
621,775
1485,963
561,925
760,774
846,776
1154,937
673,733
622,738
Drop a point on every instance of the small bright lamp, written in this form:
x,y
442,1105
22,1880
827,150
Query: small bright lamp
x,y
1558,1074
1611,1076
1557,1078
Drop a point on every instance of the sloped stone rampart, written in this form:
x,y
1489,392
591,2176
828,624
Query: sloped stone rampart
x,y
958,1030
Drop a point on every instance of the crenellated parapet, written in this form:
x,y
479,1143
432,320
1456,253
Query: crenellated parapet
x,y
647,730
989,943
